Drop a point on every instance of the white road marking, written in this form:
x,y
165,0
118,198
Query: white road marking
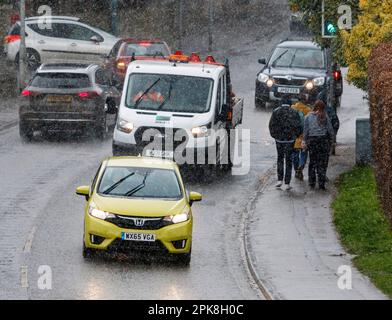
x,y
24,282
29,241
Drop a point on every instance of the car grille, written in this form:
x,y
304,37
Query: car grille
x,y
160,137
119,245
298,82
126,222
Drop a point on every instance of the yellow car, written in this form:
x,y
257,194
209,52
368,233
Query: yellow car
x,y
138,204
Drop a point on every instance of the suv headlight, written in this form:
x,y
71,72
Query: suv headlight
x,y
99,214
125,126
319,81
178,218
199,132
263,77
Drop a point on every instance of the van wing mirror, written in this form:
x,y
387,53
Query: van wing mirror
x,y
224,113
262,61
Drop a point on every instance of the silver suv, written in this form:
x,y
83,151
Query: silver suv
x,y
58,39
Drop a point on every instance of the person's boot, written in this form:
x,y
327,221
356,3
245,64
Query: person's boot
x,y
301,174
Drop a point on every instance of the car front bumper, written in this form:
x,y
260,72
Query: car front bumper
x,y
265,94
112,237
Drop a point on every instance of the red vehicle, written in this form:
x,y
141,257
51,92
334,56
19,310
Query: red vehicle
x,y
128,50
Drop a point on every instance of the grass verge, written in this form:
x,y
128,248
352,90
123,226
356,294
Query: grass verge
x,y
363,228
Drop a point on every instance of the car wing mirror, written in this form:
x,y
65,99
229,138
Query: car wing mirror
x,y
95,39
194,197
83,191
262,61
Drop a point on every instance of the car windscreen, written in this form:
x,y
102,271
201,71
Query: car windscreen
x,y
61,80
297,58
140,183
145,49
172,93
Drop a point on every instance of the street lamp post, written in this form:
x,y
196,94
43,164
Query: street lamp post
x,y
210,23
22,49
114,16
180,22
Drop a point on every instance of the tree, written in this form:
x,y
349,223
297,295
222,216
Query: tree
x,y
374,27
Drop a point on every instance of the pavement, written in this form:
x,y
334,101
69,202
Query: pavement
x,y
293,244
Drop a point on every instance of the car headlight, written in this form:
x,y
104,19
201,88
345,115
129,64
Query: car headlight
x,y
309,85
319,81
178,218
263,77
199,132
270,83
99,214
125,126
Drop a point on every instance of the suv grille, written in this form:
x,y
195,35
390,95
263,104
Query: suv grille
x,y
299,82
131,223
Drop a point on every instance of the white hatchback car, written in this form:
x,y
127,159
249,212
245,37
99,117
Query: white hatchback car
x,y
58,38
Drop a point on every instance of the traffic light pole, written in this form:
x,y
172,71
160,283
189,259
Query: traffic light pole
x,y
22,49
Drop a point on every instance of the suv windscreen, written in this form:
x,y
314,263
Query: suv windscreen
x,y
145,49
297,58
140,183
61,80
172,93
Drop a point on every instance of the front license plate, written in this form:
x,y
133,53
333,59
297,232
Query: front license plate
x,y
60,99
288,90
138,237
160,154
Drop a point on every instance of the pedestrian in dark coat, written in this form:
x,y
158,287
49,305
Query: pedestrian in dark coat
x,y
285,127
318,137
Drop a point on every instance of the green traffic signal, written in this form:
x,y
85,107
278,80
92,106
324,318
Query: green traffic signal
x,y
330,28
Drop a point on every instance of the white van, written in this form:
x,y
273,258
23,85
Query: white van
x,y
181,108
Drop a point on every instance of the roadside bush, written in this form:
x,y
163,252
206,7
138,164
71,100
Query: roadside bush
x,y
380,94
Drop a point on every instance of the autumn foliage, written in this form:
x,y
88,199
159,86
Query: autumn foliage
x,y
374,26
380,93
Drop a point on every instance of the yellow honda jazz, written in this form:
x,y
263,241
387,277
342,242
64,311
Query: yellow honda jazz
x,y
138,205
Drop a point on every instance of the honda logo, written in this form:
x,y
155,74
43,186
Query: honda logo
x,y
139,222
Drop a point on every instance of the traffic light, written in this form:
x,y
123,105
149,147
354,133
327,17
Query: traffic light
x,y
329,22
330,29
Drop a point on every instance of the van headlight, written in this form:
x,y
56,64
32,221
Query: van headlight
x,y
263,77
199,132
178,218
125,126
99,214
319,81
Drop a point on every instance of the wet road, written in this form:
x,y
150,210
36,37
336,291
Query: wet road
x,y
42,218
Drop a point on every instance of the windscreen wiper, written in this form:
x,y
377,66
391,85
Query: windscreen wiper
x,y
137,102
114,186
168,97
278,58
138,188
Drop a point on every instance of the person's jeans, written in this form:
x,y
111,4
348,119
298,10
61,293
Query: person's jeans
x,y
300,157
319,148
285,153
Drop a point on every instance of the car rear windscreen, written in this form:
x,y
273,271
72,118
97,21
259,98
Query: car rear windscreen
x,y
61,80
